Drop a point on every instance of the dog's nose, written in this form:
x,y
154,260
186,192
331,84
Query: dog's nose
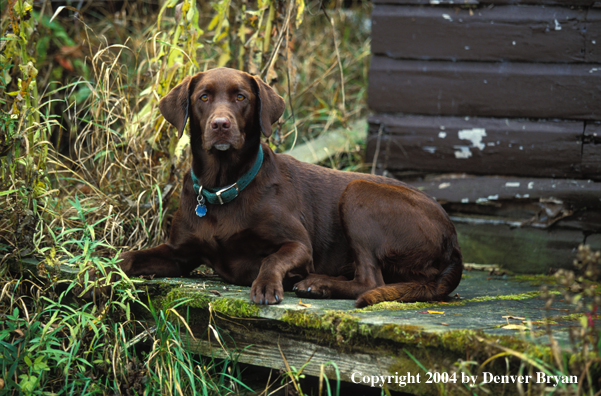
x,y
220,123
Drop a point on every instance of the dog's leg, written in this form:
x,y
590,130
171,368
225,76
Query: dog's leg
x,y
368,276
267,288
161,261
397,231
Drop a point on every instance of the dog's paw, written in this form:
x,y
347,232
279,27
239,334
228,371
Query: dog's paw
x,y
264,291
313,287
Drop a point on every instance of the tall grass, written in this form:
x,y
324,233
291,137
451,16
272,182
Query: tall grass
x,y
88,167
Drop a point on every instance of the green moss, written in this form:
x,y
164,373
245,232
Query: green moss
x,y
231,306
398,306
519,296
343,329
333,326
536,280
560,318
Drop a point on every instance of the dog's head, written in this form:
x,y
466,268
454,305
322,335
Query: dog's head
x,y
224,106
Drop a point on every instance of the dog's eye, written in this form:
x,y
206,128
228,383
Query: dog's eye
x,y
204,97
240,98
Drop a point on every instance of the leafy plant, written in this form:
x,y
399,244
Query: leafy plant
x,y
89,167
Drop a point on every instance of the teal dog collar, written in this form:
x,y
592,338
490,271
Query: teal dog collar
x,y
226,194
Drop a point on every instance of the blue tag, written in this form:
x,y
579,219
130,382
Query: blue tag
x,y
201,210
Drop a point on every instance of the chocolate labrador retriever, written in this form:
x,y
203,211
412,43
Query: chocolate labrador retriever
x,y
268,221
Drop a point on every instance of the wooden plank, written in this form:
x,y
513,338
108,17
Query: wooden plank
x,y
516,33
330,143
476,145
567,3
491,189
593,35
487,189
520,202
265,349
516,90
591,150
521,250
330,334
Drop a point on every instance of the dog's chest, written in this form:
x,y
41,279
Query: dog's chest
x,y
234,255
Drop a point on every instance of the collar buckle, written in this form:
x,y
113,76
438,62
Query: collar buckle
x,y
225,190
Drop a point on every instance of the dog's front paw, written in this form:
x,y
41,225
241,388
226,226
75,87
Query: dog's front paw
x,y
266,291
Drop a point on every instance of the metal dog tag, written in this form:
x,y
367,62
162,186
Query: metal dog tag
x,y
201,208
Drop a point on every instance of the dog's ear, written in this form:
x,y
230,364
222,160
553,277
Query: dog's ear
x,y
176,104
271,105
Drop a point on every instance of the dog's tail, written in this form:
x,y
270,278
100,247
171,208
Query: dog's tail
x,y
432,290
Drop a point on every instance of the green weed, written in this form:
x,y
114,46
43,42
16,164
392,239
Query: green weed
x,y
88,167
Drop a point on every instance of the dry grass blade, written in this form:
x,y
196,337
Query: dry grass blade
x,y
509,352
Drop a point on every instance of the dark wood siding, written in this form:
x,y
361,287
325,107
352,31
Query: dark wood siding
x,y
478,146
500,89
591,151
494,108
525,34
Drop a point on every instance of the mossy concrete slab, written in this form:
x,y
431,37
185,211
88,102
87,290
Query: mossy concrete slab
x,y
485,314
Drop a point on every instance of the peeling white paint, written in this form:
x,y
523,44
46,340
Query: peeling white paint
x,y
522,196
512,184
491,144
447,17
444,185
493,197
474,135
442,135
530,185
467,47
481,200
521,147
513,43
557,25
594,69
430,149
463,152
465,200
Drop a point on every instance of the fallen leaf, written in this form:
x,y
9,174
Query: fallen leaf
x,y
436,312
215,292
444,324
302,304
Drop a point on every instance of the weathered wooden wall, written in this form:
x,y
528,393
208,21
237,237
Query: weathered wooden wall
x,y
489,88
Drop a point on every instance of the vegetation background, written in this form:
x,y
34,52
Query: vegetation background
x,y
89,167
